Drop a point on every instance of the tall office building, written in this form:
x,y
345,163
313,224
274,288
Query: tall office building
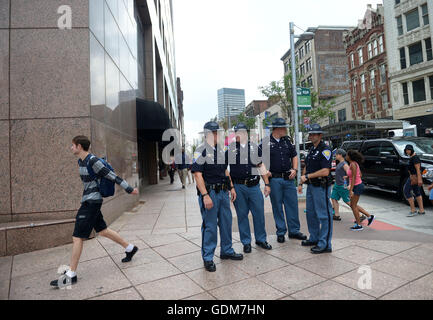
x,y
231,102
109,74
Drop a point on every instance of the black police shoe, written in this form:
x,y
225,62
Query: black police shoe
x,y
298,236
247,248
317,250
308,243
281,239
234,256
129,255
264,245
55,283
210,266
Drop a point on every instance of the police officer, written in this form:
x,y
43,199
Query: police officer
x,y
317,175
283,169
213,186
247,186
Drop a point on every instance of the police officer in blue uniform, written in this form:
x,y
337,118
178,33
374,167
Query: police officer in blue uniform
x,y
240,157
283,169
319,210
213,187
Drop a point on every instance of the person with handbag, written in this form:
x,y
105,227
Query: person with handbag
x,y
414,182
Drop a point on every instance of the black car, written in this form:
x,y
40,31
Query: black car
x,y
385,165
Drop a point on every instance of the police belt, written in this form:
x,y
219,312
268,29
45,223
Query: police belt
x,y
320,182
252,182
218,187
284,175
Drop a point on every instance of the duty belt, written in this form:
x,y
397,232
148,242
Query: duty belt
x,y
247,182
217,187
284,175
320,182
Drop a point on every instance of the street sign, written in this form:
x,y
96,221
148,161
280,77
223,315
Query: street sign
x,y
304,98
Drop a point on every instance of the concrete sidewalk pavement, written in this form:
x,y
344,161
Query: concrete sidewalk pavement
x,y
168,265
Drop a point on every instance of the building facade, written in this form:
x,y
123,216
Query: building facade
x,y
100,68
368,68
342,111
256,107
408,30
320,62
231,102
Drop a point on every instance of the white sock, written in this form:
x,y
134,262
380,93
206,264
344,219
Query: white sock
x,y
129,248
71,274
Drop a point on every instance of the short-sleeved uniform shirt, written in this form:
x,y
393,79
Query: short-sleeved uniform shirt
x,y
245,157
412,162
318,158
208,164
281,154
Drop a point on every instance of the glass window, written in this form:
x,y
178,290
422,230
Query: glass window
x,y
405,93
96,19
341,115
309,65
307,47
418,90
364,106
352,61
362,82
428,49
430,80
111,36
375,48
97,74
354,86
415,53
372,151
382,73
361,56
310,81
372,78
374,103
370,50
381,48
399,25
425,14
412,20
384,100
302,69
111,84
403,58
301,53
303,83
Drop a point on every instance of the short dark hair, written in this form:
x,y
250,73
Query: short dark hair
x,y
355,156
83,141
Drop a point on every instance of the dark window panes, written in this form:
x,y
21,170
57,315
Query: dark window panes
x,y
402,58
425,14
372,151
342,115
418,90
412,20
400,25
111,36
405,93
430,79
428,49
415,54
97,79
388,148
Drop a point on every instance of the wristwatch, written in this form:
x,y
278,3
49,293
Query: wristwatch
x,y
267,185
204,195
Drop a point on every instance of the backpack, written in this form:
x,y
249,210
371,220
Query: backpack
x,y
105,186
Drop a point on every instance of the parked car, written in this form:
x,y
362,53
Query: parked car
x,y
385,166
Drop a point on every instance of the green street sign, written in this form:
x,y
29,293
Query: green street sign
x,y
304,98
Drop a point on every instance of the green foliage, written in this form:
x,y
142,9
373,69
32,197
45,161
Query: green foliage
x,y
249,122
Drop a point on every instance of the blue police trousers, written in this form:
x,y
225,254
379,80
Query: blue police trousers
x,y
220,215
284,192
250,198
319,216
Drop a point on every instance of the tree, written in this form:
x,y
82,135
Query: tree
x,y
248,121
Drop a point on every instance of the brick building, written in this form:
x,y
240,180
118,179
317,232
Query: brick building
x,y
368,69
256,107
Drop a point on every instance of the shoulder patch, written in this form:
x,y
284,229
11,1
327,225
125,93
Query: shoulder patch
x,y
327,154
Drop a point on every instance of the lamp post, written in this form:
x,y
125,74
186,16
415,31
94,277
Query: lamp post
x,y
227,113
304,36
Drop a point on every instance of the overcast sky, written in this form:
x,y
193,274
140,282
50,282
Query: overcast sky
x,y
239,44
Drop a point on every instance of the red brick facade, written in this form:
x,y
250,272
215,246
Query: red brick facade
x,y
368,70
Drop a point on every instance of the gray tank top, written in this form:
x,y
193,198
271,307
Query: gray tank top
x,y
340,173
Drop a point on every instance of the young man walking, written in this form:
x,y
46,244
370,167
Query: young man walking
x,y
89,215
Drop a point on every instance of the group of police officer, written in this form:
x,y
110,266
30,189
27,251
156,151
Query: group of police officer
x,y
215,182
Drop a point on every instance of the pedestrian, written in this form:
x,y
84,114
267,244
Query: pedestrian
x,y
283,169
340,189
213,188
316,174
356,188
89,215
182,161
240,156
171,170
414,182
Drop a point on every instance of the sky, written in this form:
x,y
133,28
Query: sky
x,y
239,44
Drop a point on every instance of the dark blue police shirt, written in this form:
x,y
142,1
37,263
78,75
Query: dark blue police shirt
x,y
213,173
241,169
281,155
318,158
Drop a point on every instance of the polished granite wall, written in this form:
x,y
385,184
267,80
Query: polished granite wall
x,y
64,83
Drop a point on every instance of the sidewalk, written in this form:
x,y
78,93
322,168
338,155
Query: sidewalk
x,y
168,265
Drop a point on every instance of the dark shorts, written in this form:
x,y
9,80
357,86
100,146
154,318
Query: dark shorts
x,y
410,190
89,217
359,189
